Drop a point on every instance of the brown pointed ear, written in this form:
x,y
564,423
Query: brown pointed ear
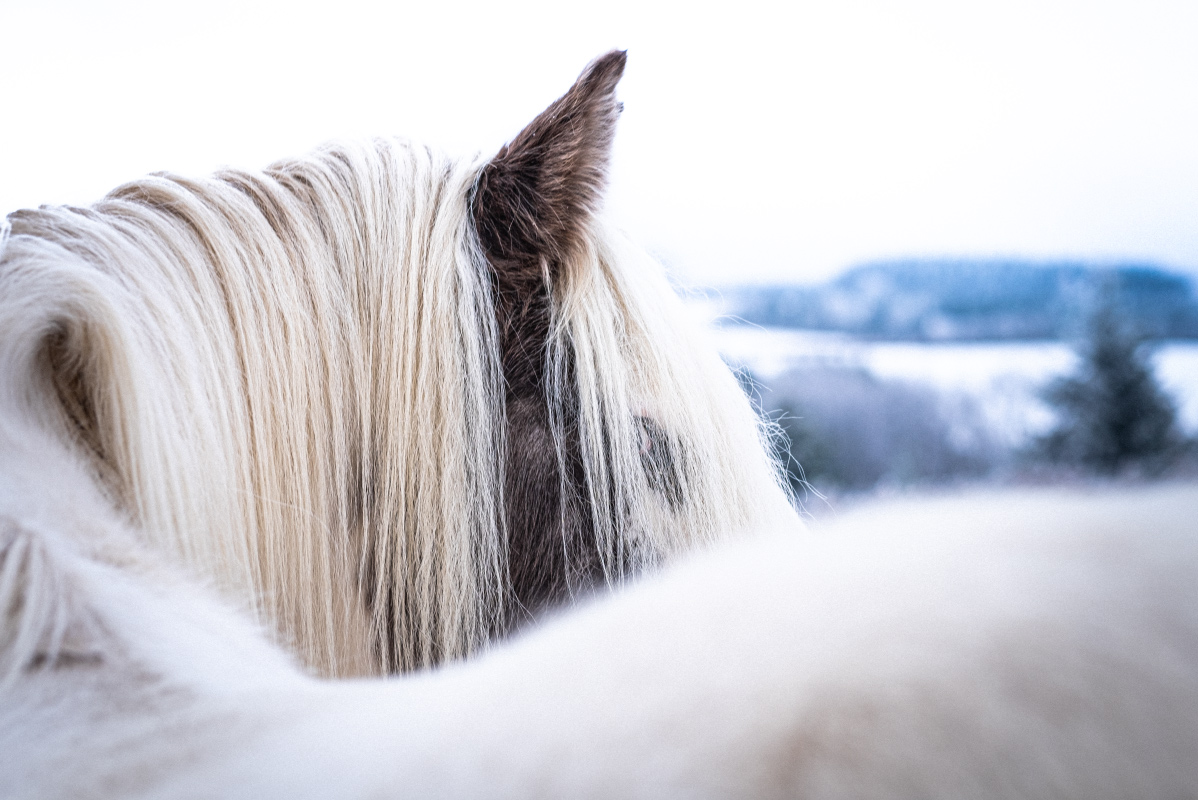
x,y
532,201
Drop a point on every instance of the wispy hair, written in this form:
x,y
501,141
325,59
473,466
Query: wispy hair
x,y
290,380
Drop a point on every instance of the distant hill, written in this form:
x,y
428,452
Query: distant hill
x,y
947,300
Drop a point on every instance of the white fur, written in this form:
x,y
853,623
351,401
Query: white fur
x,y
1032,644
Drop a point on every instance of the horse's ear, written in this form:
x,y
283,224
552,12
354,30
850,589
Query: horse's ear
x,y
534,198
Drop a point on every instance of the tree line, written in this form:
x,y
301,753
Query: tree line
x,y
844,429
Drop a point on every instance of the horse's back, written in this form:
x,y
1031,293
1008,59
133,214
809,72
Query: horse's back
x,y
998,645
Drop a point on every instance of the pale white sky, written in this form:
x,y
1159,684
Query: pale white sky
x,y
759,141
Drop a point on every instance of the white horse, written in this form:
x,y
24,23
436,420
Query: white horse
x,y
366,411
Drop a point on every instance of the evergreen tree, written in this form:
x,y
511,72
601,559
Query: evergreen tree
x,y
1112,413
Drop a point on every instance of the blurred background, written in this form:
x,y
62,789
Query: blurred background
x,y
943,242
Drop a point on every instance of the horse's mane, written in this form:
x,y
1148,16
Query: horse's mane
x,y
290,381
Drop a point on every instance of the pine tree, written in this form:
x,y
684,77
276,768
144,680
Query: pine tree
x,y
1112,413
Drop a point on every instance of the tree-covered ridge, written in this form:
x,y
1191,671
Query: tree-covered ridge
x,y
947,299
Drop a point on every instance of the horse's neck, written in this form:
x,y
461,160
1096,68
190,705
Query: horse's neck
x,y
1044,647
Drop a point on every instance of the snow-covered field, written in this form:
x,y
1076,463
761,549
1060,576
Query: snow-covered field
x,y
1002,378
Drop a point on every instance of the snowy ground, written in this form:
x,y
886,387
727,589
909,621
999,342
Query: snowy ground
x,y
1002,379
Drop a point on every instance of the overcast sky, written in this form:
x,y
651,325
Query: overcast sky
x,y
759,141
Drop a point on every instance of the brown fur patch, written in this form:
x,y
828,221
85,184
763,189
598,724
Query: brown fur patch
x,y
534,198
531,207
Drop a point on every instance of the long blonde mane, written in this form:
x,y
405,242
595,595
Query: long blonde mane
x,y
290,381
